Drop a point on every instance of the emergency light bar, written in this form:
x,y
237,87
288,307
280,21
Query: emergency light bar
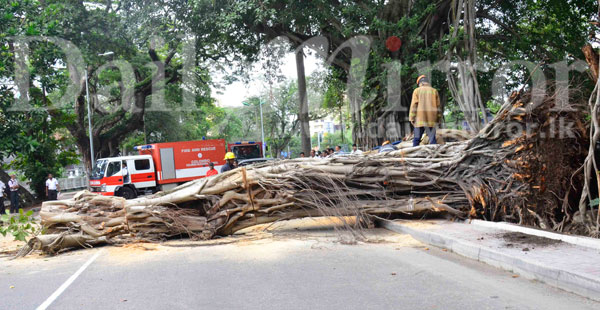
x,y
246,142
143,147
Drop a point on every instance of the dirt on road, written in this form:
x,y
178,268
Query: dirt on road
x,y
519,239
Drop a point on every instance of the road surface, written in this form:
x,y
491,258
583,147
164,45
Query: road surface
x,y
286,268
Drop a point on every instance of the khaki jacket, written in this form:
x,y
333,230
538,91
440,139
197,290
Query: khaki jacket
x,y
425,107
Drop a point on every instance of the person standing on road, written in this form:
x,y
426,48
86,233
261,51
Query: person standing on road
x,y
230,162
2,187
338,150
52,187
211,170
355,150
425,111
13,185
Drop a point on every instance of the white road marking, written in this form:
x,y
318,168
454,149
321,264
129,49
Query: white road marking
x,y
70,280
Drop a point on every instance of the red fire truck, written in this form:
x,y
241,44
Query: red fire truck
x,y
160,166
246,150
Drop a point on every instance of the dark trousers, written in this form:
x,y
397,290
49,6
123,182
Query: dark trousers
x,y
14,202
419,134
2,209
52,194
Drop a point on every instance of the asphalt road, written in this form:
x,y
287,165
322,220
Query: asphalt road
x,y
290,269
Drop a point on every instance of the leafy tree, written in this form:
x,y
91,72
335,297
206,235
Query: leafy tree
x,y
124,28
34,140
280,113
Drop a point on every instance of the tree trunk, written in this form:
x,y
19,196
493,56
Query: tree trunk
x,y
303,103
592,59
463,85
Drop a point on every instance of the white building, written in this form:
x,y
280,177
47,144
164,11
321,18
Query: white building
x,y
324,125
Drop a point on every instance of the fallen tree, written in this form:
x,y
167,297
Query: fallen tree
x,y
520,168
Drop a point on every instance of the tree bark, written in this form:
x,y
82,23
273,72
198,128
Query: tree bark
x,y
303,118
592,59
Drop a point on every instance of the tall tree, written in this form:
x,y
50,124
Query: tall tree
x,y
303,117
141,34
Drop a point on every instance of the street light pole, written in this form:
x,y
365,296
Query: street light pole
x,y
262,130
89,109
87,98
319,140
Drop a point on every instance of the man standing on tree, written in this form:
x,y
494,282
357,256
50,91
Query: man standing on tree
x,y
13,185
425,111
52,187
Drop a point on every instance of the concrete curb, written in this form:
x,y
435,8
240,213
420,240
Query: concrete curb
x,y
580,241
581,284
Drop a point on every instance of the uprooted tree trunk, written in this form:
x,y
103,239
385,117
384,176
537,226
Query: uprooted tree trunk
x,y
519,168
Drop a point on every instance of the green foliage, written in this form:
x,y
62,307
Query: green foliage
x,y
280,116
20,226
37,141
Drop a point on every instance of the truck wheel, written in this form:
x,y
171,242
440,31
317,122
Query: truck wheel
x,y
127,193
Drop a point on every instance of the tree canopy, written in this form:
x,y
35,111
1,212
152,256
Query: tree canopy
x,y
149,66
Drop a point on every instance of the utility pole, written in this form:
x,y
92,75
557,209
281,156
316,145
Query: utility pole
x,y
319,140
262,130
89,110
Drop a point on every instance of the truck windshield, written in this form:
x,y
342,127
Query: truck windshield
x,y
98,171
246,151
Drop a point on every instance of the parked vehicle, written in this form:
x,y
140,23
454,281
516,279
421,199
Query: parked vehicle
x,y
160,166
246,149
253,161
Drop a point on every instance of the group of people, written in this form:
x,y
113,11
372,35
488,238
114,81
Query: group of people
x,y
13,194
330,152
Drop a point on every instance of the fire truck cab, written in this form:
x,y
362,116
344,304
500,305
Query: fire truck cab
x,y
246,150
160,166
109,176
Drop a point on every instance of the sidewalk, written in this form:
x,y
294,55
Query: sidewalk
x,y
567,262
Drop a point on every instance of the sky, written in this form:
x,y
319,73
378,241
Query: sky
x,y
233,94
